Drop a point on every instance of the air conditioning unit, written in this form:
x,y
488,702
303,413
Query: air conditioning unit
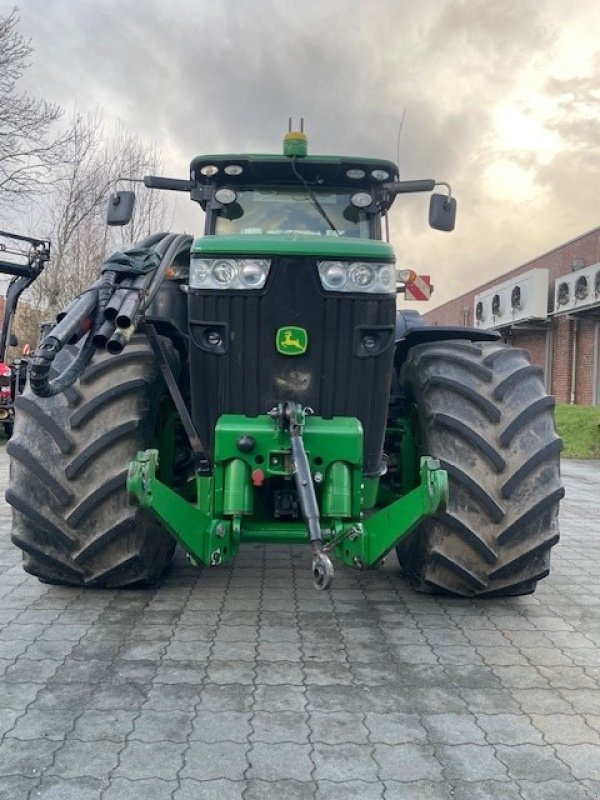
x,y
577,291
523,298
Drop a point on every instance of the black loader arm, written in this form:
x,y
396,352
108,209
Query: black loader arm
x,y
25,269
411,330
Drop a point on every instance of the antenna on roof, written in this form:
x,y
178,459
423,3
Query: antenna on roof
x,y
302,124
400,127
289,124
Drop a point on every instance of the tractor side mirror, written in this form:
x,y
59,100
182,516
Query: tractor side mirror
x,y
13,341
442,212
120,208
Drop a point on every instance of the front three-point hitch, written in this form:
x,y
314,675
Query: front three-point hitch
x,y
279,477
291,417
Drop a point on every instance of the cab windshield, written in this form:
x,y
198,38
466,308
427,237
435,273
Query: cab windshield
x,y
285,211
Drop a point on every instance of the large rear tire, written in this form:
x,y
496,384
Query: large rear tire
x,y
69,457
484,413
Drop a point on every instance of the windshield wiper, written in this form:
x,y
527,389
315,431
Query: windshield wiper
x,y
313,198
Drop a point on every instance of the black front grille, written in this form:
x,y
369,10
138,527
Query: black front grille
x,y
246,375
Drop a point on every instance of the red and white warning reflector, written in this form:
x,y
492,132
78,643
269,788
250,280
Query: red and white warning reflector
x,y
418,289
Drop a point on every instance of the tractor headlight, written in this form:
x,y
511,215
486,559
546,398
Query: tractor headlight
x,y
334,275
252,275
357,276
223,273
228,273
361,200
362,276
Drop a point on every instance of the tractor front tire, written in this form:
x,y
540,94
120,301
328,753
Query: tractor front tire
x,y
69,457
484,413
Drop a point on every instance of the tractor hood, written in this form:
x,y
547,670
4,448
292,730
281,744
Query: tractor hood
x,y
297,245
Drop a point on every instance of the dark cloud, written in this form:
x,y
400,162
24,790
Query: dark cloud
x,y
224,76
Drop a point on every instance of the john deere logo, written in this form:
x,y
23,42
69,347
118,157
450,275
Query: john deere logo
x,y
291,341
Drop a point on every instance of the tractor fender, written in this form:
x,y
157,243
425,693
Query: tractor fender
x,y
411,330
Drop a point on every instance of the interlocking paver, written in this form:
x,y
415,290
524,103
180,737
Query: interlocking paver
x,y
218,789
567,677
593,788
582,760
124,789
349,790
169,672
486,790
217,760
436,700
532,762
338,728
24,670
509,729
520,677
76,759
228,672
145,760
469,762
160,726
12,649
69,789
221,726
242,682
18,695
8,717
566,729
27,758
281,761
407,762
395,728
452,729
94,726
554,790
276,790
542,701
333,673
281,726
341,762
164,697
584,701
50,724
16,787
280,698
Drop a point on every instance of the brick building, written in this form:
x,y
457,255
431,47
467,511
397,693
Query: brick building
x,y
561,330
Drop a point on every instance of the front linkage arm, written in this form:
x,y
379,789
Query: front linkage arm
x,y
366,544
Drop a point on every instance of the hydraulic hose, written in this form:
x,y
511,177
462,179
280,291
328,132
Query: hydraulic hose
x,y
141,295
88,308
143,292
105,316
179,244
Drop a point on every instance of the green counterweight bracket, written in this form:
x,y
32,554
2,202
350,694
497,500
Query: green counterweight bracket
x,y
226,511
367,543
212,541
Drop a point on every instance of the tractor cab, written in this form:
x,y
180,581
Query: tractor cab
x,y
288,195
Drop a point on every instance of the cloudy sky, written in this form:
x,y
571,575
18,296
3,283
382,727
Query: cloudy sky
x,y
502,101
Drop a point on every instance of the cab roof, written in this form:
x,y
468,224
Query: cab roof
x,y
271,170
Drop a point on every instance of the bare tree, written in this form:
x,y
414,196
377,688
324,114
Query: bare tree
x,y
134,159
28,151
93,161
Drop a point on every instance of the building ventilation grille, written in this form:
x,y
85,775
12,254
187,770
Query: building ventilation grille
x,y
579,291
521,299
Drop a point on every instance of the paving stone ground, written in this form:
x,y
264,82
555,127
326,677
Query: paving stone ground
x,y
244,682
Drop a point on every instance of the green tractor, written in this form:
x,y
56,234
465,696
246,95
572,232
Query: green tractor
x,y
257,384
